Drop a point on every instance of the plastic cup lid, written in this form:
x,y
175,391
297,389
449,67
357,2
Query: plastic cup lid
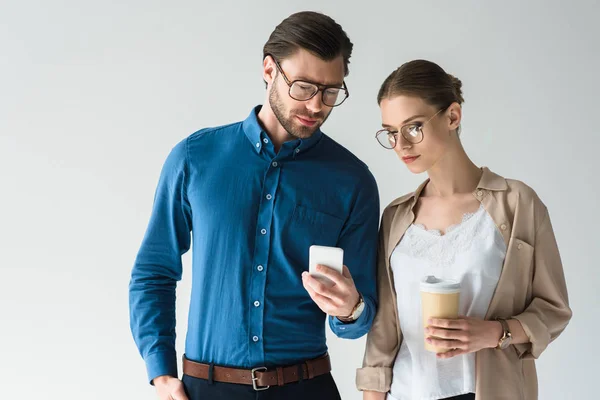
x,y
432,284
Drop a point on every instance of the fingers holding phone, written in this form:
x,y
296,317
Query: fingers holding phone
x,y
329,282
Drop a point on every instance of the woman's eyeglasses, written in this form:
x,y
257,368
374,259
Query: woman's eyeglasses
x,y
413,133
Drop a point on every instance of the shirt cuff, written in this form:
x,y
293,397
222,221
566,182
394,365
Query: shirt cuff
x,y
161,363
537,333
374,379
354,329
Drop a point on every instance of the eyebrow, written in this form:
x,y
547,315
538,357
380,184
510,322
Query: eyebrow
x,y
305,79
405,121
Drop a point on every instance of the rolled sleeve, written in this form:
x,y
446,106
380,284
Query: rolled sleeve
x,y
374,379
383,340
548,314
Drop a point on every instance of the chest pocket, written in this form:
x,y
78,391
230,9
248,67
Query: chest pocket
x,y
520,254
517,273
308,227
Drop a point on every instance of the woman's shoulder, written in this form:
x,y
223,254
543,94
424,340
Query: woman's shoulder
x,y
407,199
496,183
516,195
522,191
396,207
404,199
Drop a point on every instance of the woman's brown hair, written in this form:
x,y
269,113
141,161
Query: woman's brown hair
x,y
423,79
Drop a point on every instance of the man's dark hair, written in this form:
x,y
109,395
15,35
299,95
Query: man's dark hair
x,y
312,31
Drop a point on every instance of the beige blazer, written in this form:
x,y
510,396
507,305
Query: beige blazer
x,y
531,289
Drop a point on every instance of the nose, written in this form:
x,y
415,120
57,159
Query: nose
x,y
315,105
402,143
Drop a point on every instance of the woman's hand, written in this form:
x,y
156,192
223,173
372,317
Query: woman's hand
x,y
374,395
463,335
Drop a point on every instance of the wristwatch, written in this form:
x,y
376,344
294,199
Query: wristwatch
x,y
356,311
506,338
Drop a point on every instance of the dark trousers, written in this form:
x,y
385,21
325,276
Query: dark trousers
x,y
320,388
470,396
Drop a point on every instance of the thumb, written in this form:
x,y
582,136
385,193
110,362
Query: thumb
x,y
346,273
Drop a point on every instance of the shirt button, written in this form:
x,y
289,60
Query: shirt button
x,y
263,231
260,268
269,197
503,227
520,246
275,164
266,141
479,194
255,338
257,144
297,151
257,303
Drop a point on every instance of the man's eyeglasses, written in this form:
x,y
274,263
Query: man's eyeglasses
x,y
332,95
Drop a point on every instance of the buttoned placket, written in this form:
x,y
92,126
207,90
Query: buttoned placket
x,y
263,240
485,199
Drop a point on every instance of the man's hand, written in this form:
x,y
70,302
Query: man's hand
x,y
338,299
169,388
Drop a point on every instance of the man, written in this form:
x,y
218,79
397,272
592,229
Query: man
x,y
257,194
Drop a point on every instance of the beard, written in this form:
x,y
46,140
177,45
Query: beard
x,y
290,123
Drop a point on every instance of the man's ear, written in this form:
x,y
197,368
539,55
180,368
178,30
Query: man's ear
x,y
269,70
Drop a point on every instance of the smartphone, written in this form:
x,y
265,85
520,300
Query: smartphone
x,y
332,257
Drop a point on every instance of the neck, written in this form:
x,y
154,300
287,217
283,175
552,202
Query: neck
x,y
454,173
272,127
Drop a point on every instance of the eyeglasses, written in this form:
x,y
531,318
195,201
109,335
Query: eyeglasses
x,y
332,95
413,133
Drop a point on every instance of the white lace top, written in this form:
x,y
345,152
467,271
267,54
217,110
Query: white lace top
x,y
472,253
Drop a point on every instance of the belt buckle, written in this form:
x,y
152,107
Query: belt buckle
x,y
255,379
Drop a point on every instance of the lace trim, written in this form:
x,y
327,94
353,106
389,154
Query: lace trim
x,y
441,250
465,218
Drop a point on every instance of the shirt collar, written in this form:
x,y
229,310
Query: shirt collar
x,y
253,130
492,181
255,133
489,181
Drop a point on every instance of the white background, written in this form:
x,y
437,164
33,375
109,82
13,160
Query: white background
x,y
93,95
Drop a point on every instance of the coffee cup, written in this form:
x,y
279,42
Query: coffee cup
x,y
439,299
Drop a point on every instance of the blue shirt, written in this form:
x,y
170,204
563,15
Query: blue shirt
x,y
254,214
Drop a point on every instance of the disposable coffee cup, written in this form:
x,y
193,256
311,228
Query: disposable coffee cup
x,y
439,299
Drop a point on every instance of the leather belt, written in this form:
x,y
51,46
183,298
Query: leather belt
x,y
260,378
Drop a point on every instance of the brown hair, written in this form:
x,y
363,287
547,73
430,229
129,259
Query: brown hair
x,y
423,79
312,31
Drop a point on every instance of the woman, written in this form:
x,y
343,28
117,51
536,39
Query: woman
x,y
467,224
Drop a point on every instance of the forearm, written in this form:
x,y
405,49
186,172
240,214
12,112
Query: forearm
x,y
496,331
518,333
358,328
368,395
152,319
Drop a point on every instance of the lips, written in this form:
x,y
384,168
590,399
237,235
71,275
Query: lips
x,y
307,121
409,159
